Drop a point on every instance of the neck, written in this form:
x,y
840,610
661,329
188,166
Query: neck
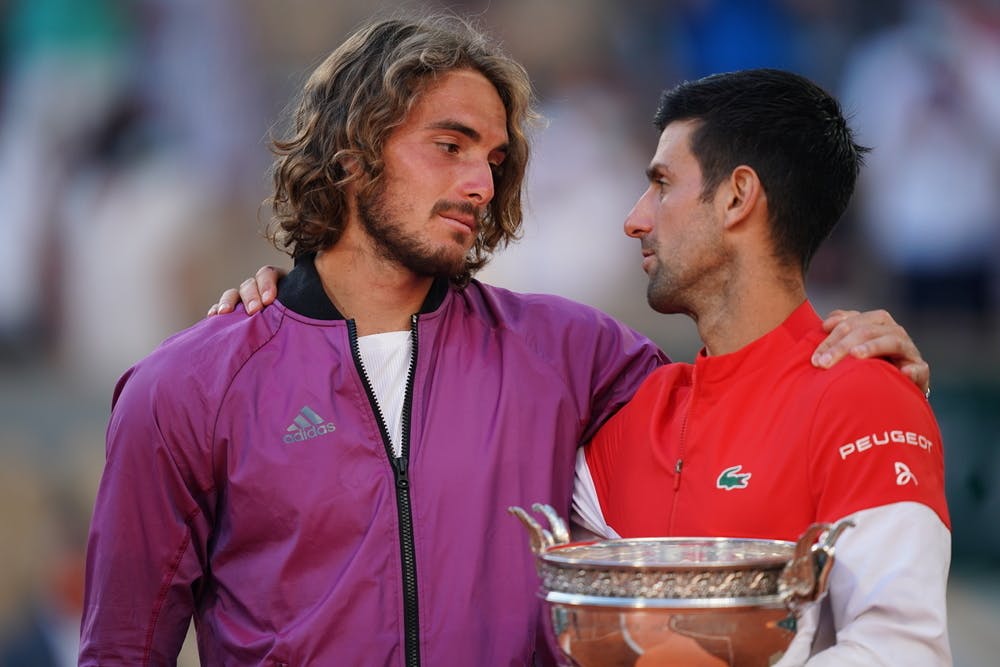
x,y
756,304
378,294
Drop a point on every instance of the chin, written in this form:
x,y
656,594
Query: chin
x,y
438,266
663,304
664,309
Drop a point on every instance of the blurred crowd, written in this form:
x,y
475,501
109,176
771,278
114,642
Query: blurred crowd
x,y
133,167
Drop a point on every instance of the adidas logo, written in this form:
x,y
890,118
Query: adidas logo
x,y
308,425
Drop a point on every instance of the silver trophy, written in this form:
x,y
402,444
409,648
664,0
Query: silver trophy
x,y
698,602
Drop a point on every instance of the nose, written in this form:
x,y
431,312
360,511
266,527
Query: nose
x,y
638,221
478,186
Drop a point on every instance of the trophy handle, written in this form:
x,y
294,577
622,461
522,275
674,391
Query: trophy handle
x,y
542,538
807,574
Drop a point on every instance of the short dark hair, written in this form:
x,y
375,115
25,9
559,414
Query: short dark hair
x,y
787,129
353,100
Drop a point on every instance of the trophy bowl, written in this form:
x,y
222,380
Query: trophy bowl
x,y
692,601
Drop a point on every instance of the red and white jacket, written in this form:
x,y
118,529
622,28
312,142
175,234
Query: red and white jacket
x,y
759,443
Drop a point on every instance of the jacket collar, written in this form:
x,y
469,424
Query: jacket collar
x,y
302,292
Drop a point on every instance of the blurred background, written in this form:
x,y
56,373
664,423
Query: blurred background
x,y
133,160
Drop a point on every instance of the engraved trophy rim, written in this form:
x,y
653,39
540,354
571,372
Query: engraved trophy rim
x,y
668,554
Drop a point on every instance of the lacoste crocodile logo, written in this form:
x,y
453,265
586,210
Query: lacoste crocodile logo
x,y
732,478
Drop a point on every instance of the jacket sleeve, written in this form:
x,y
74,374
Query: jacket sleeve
x,y
877,457
886,600
618,364
146,550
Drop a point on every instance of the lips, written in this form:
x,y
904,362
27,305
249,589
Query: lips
x,y
462,215
468,221
648,257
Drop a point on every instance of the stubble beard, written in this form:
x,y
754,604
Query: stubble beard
x,y
661,293
383,225
689,289
694,274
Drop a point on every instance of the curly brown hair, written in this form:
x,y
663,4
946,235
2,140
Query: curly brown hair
x,y
352,101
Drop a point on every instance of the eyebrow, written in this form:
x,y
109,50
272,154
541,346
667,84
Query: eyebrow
x,y
655,170
462,128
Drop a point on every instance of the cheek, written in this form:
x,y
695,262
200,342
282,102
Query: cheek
x,y
663,217
414,166
405,190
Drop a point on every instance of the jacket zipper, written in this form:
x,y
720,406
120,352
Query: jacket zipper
x,y
400,469
681,442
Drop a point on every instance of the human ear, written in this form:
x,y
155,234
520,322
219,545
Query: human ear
x,y
743,192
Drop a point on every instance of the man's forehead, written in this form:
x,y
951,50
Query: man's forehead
x,y
677,134
674,142
464,101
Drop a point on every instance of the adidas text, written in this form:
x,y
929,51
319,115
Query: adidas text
x,y
303,434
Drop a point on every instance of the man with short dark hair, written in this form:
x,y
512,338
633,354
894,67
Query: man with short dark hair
x,y
752,171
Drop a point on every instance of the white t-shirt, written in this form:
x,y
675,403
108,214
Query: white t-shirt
x,y
386,359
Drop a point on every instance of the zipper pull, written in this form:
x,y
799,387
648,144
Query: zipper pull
x,y
402,474
677,473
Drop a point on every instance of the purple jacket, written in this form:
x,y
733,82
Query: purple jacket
x,y
248,485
